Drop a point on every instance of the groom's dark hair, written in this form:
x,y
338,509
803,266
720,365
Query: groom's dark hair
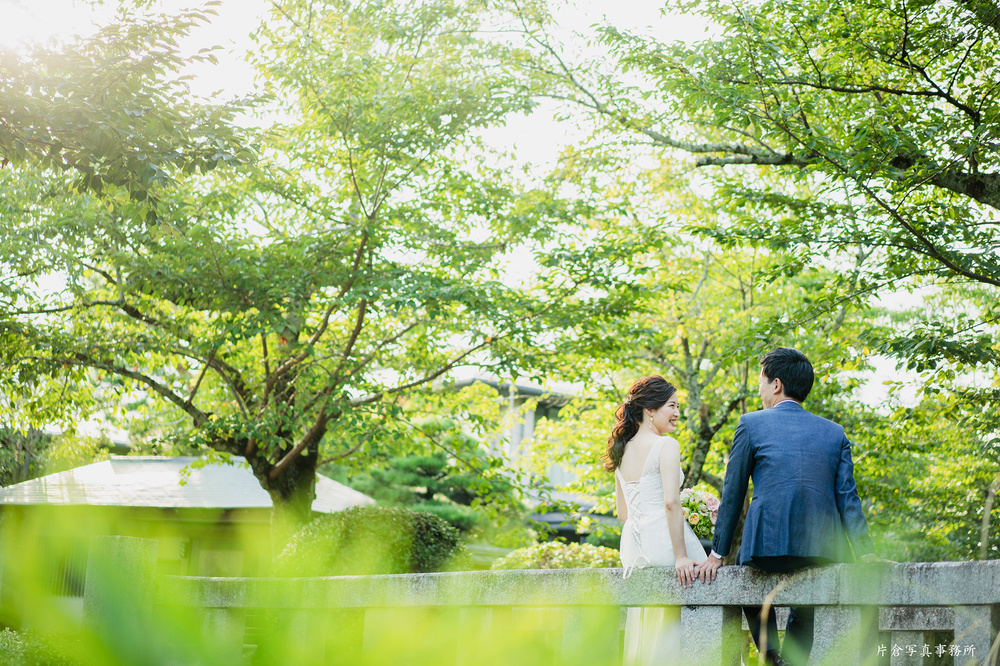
x,y
793,369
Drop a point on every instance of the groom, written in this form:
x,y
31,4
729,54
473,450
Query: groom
x,y
805,505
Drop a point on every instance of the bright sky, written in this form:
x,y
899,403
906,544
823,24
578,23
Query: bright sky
x,y
27,21
46,18
42,20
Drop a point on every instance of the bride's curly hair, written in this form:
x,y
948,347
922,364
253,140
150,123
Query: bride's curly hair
x,y
647,393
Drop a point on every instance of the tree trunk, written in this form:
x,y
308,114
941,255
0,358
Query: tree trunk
x,y
706,432
984,531
705,435
738,537
694,472
292,508
292,493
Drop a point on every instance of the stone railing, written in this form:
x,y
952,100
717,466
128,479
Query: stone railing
x,y
865,614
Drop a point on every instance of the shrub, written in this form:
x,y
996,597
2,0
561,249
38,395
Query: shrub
x,y
462,518
558,555
372,540
605,535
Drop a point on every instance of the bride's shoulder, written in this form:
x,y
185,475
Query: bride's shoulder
x,y
668,444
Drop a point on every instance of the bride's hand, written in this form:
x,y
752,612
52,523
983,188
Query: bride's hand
x,y
685,571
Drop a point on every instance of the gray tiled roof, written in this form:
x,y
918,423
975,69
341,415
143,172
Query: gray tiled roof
x,y
156,482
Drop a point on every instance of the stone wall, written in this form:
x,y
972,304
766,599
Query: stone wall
x,y
865,613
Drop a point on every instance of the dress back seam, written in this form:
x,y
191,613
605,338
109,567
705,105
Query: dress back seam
x,y
655,448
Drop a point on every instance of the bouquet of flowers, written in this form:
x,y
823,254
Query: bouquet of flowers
x,y
701,509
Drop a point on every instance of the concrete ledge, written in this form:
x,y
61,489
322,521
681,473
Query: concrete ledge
x,y
933,618
930,584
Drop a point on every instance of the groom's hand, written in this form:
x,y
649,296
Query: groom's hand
x,y
707,569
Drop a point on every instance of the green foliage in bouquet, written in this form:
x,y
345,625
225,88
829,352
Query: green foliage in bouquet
x,y
701,509
372,540
559,555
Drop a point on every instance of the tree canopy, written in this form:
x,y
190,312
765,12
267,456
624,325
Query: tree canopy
x,y
852,131
853,138
352,252
114,111
289,277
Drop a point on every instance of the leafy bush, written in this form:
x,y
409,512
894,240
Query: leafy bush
x,y
607,536
372,540
558,555
463,518
467,495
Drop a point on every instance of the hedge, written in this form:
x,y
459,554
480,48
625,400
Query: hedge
x,y
558,555
372,540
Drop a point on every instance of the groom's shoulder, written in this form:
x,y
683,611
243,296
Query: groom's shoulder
x,y
821,423
755,421
820,419
799,412
768,415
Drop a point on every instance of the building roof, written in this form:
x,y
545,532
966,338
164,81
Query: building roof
x,y
548,397
156,482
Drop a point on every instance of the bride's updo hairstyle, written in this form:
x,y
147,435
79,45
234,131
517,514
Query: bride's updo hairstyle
x,y
647,393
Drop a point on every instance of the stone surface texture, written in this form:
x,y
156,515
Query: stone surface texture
x,y
852,603
119,590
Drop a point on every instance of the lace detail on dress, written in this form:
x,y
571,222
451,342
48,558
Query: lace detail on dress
x,y
631,492
652,634
638,508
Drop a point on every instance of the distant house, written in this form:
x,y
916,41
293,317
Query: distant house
x,y
547,405
213,520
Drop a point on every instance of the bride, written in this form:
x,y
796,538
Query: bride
x,y
648,477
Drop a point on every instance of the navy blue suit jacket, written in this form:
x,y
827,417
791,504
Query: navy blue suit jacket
x,y
805,502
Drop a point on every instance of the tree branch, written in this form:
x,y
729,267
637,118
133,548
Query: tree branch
x,y
375,397
201,376
984,188
726,411
348,452
349,347
285,367
986,12
199,417
312,436
384,343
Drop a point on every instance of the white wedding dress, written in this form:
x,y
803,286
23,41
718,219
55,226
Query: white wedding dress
x,y
652,634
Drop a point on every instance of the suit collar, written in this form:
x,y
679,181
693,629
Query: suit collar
x,y
788,404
